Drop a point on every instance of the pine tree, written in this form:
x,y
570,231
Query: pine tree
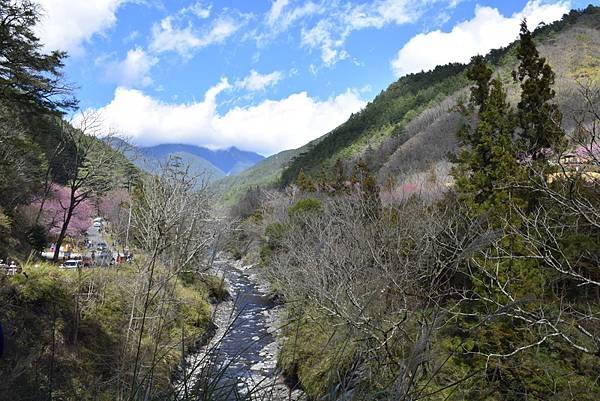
x,y
488,157
539,118
305,183
339,175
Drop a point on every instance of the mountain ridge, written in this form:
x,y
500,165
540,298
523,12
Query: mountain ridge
x,y
410,126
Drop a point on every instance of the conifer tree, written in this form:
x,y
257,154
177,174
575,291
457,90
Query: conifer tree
x,y
305,183
488,157
539,118
369,189
339,175
29,78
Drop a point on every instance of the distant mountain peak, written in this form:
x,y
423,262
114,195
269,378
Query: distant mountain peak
x,y
215,162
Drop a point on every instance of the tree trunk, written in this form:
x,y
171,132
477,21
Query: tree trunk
x,y
63,230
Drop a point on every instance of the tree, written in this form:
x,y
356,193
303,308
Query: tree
x,y
305,183
90,172
28,77
539,118
55,209
481,74
488,158
339,175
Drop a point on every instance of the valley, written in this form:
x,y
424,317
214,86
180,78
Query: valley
x,y
441,243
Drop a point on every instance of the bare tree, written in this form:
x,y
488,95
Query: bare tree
x,y
90,165
173,226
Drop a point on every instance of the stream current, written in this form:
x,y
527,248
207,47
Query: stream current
x,y
242,355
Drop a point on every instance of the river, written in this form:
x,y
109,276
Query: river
x,y
239,363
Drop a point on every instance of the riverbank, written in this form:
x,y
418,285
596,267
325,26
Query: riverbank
x,y
78,335
244,350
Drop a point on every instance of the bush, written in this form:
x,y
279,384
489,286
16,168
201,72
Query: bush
x,y
305,206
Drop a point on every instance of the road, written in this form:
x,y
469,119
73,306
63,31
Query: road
x,y
95,237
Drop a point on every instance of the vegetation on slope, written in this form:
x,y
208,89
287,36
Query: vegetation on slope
x,y
386,114
487,290
419,105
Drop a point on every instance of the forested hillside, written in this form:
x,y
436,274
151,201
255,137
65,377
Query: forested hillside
x,y
408,128
481,284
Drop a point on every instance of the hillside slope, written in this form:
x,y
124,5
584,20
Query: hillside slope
x,y
410,126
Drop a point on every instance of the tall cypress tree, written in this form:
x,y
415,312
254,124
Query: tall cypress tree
x,y
539,118
487,159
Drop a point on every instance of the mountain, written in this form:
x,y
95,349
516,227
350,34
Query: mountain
x,y
264,173
215,164
408,131
228,161
410,127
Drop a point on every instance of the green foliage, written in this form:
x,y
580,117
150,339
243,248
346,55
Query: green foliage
x,y
36,236
539,118
305,183
28,77
398,104
49,350
272,241
488,161
304,207
316,353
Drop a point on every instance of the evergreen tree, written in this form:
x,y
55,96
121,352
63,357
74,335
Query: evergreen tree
x,y
369,189
339,175
28,77
539,118
488,158
305,183
480,73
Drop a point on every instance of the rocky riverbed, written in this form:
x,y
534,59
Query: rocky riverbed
x,y
240,361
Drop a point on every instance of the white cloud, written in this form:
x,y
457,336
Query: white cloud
x,y
269,127
257,81
134,70
276,9
487,30
280,16
166,36
329,34
198,9
321,36
66,24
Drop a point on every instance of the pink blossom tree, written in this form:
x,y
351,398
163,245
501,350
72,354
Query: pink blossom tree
x,y
55,212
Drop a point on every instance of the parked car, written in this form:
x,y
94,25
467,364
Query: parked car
x,y
72,264
98,220
98,224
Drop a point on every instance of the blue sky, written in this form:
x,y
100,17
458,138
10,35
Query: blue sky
x,y
262,75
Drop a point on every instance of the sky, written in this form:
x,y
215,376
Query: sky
x,y
262,75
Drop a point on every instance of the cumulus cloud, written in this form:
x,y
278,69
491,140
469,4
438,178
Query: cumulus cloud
x,y
487,30
134,70
168,36
257,81
268,127
66,24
